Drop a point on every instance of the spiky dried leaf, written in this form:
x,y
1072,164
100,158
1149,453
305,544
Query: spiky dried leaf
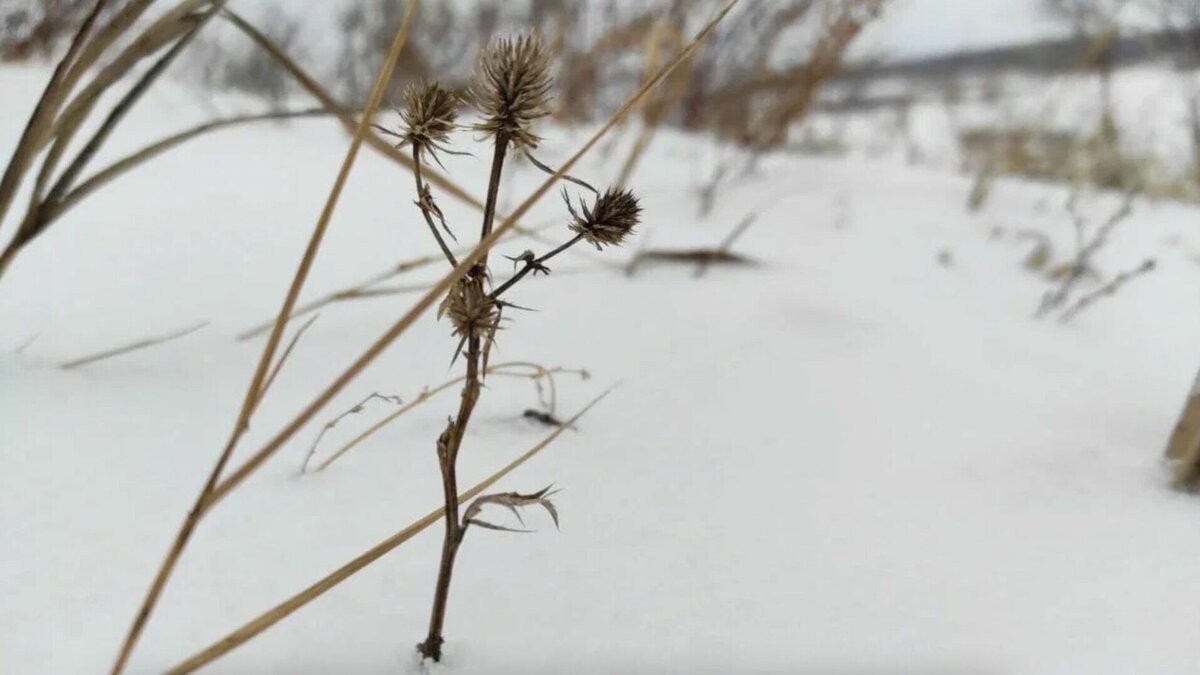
x,y
513,501
511,89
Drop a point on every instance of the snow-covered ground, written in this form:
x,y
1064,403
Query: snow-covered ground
x,y
852,458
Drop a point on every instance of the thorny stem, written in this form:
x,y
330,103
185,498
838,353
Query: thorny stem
x,y
209,493
451,439
425,202
531,265
448,446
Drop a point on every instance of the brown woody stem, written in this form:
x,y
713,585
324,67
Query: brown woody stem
x,y
448,446
489,204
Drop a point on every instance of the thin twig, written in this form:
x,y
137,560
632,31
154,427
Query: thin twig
x,y
533,264
255,627
133,347
499,369
1108,289
353,410
20,349
428,207
284,357
1078,268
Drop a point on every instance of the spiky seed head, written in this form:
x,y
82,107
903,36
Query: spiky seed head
x,y
469,309
511,89
609,220
429,115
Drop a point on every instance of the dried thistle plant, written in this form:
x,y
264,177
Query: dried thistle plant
x,y
609,221
511,91
428,117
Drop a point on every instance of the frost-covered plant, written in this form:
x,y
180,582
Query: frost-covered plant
x,y
511,91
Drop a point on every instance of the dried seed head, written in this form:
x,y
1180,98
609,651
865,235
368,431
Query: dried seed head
x,y
610,219
428,116
511,89
470,310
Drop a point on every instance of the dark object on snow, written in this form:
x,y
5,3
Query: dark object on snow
x,y
542,418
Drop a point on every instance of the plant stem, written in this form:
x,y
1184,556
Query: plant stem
x,y
448,447
489,204
423,193
531,265
451,439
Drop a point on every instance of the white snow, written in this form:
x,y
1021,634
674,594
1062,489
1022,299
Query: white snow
x,y
847,459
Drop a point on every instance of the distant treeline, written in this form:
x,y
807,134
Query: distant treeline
x,y
1075,53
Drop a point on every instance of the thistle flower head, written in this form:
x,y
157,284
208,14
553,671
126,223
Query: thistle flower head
x,y
511,89
428,117
609,220
470,310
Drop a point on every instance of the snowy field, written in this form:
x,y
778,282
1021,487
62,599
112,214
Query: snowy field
x,y
861,455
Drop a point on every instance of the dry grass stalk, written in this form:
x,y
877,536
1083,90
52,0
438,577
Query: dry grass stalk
x,y
255,389
357,291
42,120
369,288
48,126
134,160
132,347
284,357
281,611
664,37
537,373
310,84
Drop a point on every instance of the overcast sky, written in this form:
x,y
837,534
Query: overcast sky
x,y
919,27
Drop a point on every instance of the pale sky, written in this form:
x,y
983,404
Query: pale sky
x,y
920,27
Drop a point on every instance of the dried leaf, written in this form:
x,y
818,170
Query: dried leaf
x,y
513,501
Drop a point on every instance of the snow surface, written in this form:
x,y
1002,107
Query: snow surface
x,y
849,459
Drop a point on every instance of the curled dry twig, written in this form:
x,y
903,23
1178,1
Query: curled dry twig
x,y
354,410
536,372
